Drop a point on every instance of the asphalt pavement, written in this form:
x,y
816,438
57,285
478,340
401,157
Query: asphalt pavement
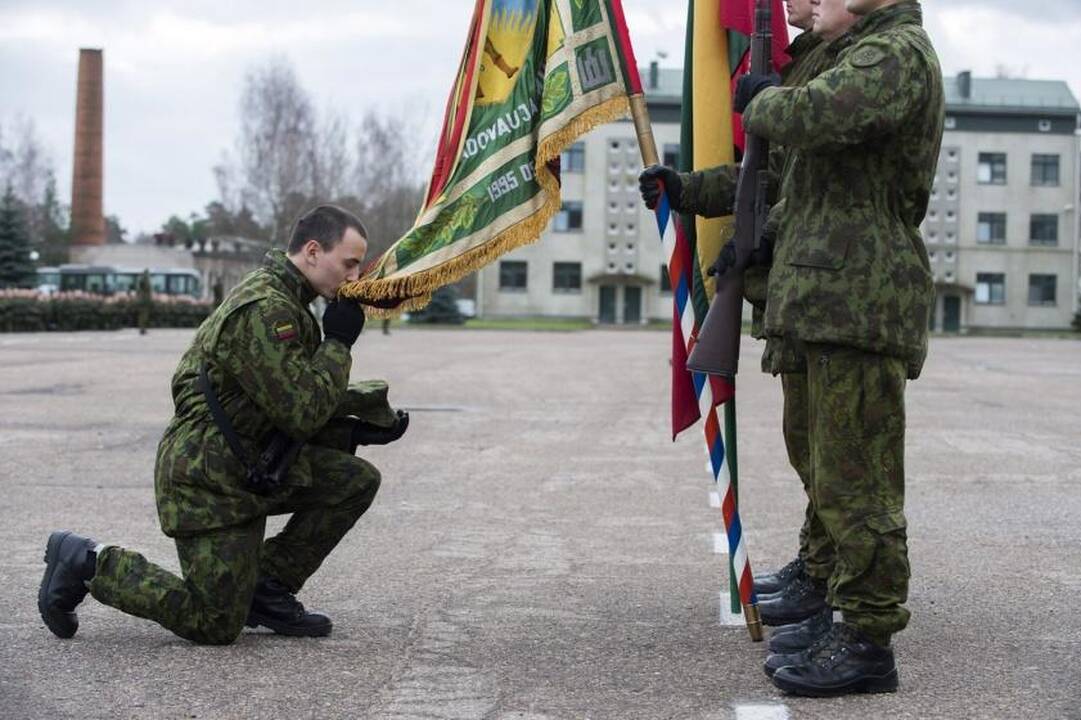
x,y
540,548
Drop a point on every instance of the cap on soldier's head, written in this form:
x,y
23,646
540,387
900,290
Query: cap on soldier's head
x,y
326,224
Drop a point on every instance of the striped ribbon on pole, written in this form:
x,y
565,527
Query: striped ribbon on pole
x,y
710,391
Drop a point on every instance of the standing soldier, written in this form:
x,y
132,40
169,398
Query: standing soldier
x,y
263,426
798,590
851,285
144,301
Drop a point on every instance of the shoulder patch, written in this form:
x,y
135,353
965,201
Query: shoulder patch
x,y
867,56
281,325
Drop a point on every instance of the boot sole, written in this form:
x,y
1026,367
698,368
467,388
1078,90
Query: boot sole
x,y
872,684
56,539
256,619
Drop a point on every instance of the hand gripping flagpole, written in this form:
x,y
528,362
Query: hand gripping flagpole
x,y
703,385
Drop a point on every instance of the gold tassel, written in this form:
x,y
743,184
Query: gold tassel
x,y
418,288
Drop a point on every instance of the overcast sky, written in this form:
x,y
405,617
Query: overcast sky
x,y
174,70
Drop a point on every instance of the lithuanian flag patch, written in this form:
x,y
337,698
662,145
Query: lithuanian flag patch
x,y
284,331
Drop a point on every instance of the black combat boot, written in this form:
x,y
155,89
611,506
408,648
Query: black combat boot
x,y
70,563
777,581
274,607
801,635
801,598
849,663
777,660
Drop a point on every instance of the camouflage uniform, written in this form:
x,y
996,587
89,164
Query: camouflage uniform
x,y
144,301
270,371
711,193
851,284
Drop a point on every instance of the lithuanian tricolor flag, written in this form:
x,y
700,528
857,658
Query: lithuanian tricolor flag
x,y
716,54
535,75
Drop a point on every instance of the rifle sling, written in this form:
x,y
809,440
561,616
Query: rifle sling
x,y
220,418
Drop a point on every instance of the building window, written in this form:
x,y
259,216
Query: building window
x,y
1045,170
666,282
671,155
992,169
1043,229
949,257
512,275
569,217
573,159
951,123
991,229
990,288
567,277
932,256
1041,289
1044,126
951,154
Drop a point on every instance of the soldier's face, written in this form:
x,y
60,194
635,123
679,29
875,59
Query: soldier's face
x,y
831,19
328,269
799,13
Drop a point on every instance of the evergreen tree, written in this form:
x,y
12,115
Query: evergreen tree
x,y
16,267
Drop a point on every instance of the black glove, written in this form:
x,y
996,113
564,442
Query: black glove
x,y
365,433
649,184
342,321
763,255
750,85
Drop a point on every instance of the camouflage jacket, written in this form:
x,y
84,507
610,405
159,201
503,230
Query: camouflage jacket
x,y
850,267
711,192
270,371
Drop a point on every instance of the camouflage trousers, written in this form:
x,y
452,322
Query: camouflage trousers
x,y
209,604
815,545
856,437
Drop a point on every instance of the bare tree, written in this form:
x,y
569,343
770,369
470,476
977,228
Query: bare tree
x,y
332,163
276,146
386,177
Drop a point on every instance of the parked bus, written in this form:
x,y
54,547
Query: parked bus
x,y
109,280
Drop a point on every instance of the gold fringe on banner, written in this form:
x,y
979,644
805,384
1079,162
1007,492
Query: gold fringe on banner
x,y
417,289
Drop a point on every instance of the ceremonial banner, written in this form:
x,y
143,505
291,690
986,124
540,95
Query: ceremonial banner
x,y
535,75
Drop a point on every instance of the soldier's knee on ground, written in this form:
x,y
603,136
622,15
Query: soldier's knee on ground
x,y
218,627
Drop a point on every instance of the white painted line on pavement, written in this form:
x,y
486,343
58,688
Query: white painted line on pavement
x,y
720,543
761,712
714,500
729,618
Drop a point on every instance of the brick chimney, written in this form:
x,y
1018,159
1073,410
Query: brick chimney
x,y
87,218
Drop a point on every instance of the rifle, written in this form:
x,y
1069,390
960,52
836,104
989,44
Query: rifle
x,y
716,350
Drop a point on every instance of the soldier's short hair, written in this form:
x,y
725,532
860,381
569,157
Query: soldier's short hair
x,y
326,224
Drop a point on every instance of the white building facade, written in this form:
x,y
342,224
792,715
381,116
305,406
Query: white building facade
x,y
1002,229
601,257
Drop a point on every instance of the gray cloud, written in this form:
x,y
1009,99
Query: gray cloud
x,y
174,69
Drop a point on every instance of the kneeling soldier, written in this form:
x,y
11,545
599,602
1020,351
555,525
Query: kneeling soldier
x,y
264,425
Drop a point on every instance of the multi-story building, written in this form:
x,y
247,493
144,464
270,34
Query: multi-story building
x,y
1002,225
1001,231
601,257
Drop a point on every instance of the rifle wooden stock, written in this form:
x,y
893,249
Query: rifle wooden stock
x,y
716,351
